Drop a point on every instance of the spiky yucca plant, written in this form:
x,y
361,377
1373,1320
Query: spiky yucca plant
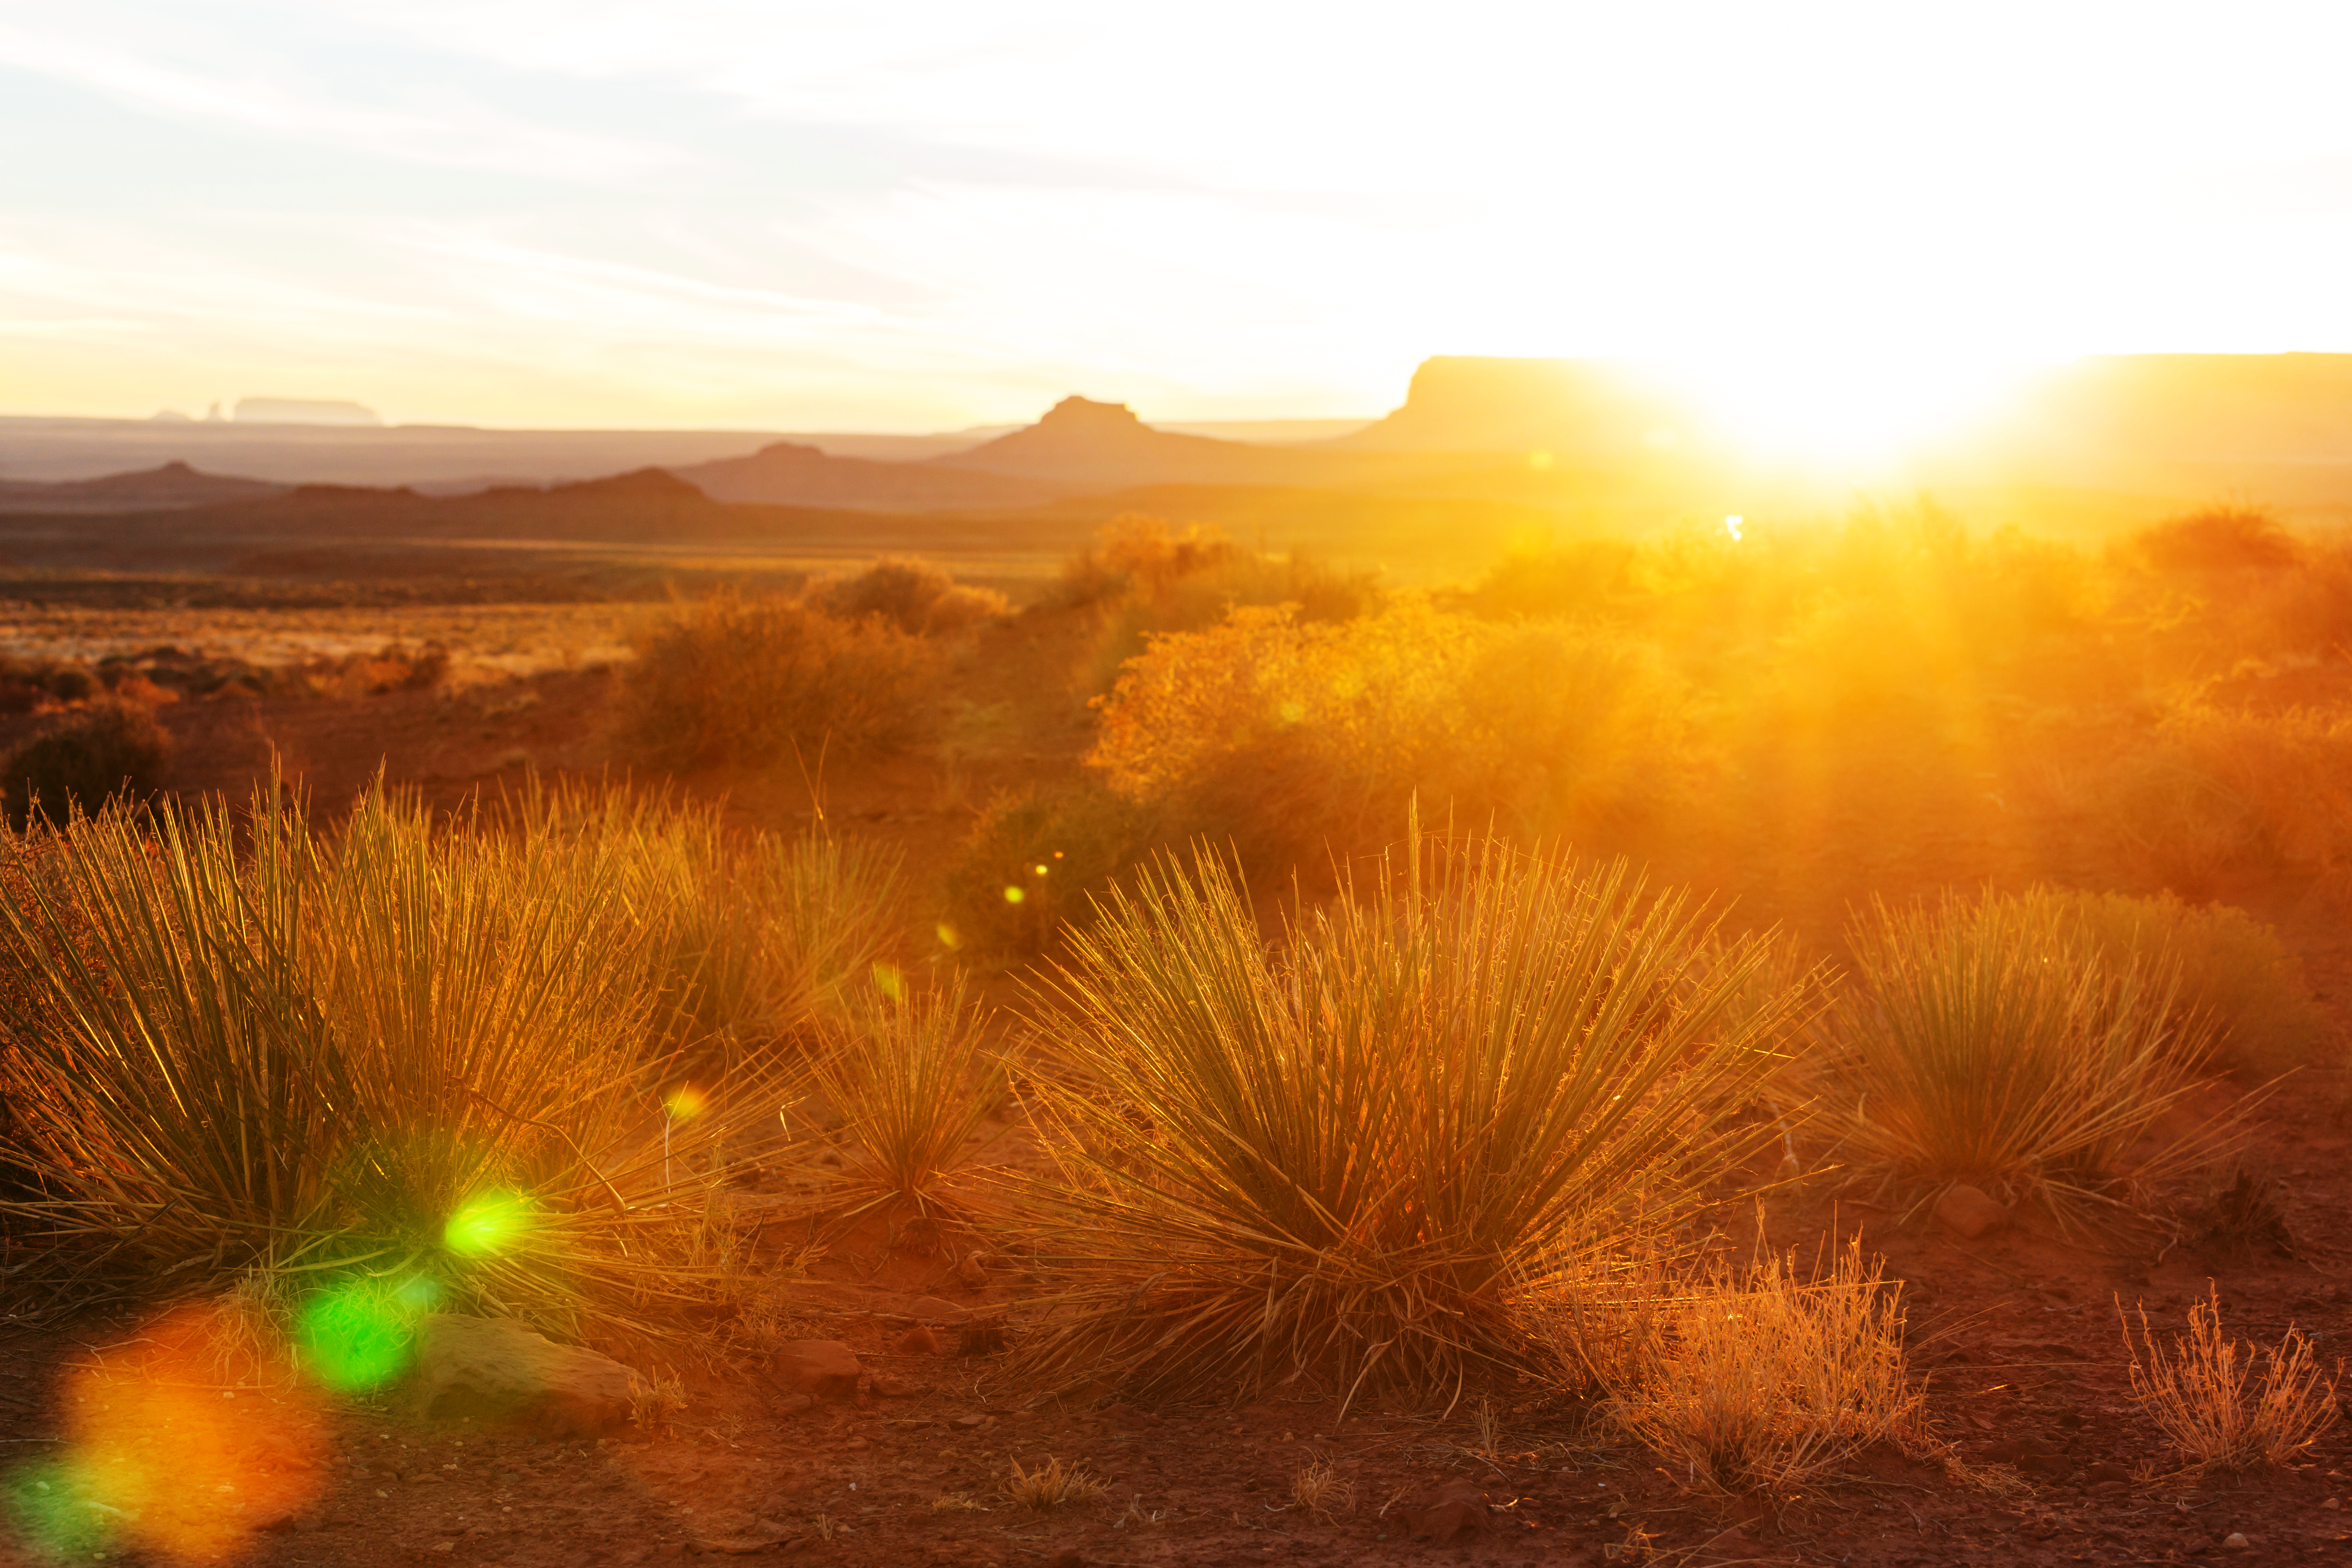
x,y
404,1053
1985,1041
1346,1157
912,1080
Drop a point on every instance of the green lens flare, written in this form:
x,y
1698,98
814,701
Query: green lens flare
x,y
491,1223
56,1508
360,1336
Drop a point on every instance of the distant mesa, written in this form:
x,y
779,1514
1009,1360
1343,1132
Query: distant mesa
x,y
304,411
788,473
169,416
1083,442
171,487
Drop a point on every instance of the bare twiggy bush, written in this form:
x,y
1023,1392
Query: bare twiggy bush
x,y
1051,1485
1344,1157
2206,1396
1756,1384
1986,1042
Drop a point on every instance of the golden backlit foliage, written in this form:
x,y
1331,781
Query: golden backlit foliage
x,y
2205,1394
1282,732
1757,1381
756,680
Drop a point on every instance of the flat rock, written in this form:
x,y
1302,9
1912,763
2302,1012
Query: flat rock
x,y
917,1341
821,1369
1970,1211
501,1371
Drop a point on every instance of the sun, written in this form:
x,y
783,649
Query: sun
x,y
1850,411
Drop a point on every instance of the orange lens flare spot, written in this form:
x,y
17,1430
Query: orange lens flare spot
x,y
185,1442
686,1102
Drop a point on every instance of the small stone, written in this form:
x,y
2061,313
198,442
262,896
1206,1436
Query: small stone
x,y
823,1369
969,1422
2332,1503
2236,1538
973,1270
1969,1212
917,1341
1460,1506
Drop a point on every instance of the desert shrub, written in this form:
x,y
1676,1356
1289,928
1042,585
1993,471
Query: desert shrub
x,y
1985,1041
2205,1398
111,751
1348,1156
1146,580
751,680
2277,785
912,1080
2232,970
1035,861
1288,736
915,597
1760,1382
2218,539
401,1061
394,667
1582,580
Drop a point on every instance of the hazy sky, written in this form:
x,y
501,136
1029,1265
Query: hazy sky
x,y
914,215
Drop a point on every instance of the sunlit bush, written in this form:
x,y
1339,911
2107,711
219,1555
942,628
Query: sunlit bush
x,y
1291,736
1346,1155
915,597
751,681
1144,580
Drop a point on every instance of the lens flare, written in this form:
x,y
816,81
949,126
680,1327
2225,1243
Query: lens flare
x,y
889,982
1015,895
360,1334
182,1441
685,1102
495,1220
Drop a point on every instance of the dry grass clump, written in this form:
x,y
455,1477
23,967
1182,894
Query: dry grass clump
x,y
912,1080
110,751
1315,1487
1985,1041
1286,735
2205,1396
1343,1158
751,680
1760,1382
1051,1485
2233,972
403,1055
915,597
